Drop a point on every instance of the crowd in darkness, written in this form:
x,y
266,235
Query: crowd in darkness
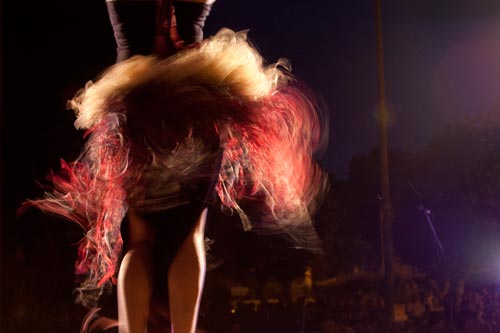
x,y
246,296
421,305
250,300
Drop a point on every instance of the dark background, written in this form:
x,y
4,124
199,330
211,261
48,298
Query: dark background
x,y
442,64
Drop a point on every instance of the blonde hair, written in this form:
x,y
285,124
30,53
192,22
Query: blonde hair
x,y
225,61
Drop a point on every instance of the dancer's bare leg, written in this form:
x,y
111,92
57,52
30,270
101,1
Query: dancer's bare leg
x,y
186,278
135,281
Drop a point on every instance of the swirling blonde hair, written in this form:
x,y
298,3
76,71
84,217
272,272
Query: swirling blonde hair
x,y
151,120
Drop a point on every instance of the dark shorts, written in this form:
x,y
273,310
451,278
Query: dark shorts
x,y
133,24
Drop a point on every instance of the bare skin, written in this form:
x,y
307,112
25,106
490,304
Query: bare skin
x,y
185,278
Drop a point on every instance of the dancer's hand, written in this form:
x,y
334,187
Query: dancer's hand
x,y
161,47
168,43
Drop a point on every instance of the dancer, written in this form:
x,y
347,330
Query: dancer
x,y
161,27
211,126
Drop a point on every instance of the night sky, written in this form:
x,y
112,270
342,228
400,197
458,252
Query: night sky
x,y
442,65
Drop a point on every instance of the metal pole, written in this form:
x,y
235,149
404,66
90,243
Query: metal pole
x,y
385,209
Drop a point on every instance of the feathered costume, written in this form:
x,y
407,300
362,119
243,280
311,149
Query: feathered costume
x,y
213,114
